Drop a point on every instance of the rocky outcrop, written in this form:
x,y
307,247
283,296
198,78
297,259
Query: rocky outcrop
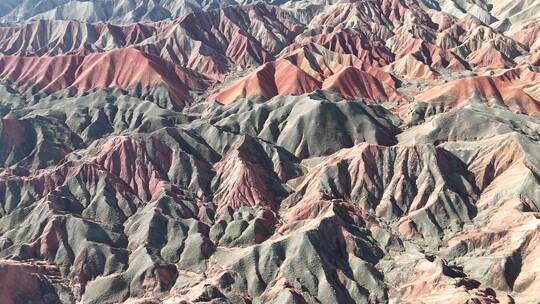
x,y
274,152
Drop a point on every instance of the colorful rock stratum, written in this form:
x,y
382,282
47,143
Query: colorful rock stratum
x,y
269,152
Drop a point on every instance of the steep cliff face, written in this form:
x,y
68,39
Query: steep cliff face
x,y
269,152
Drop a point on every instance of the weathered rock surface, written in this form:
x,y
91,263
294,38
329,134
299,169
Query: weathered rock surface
x,y
161,151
